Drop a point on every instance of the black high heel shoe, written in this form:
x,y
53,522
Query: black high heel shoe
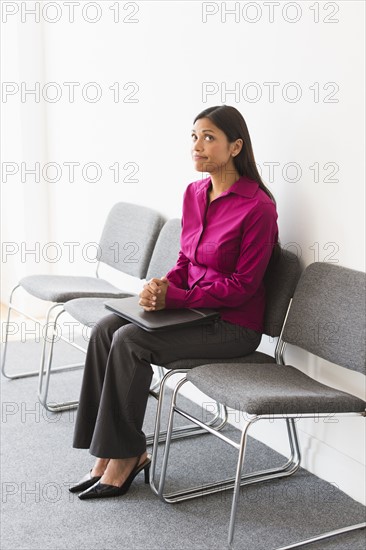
x,y
85,482
103,490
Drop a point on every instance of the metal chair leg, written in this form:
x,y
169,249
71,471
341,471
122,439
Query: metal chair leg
x,y
238,478
27,374
43,370
158,436
323,536
287,469
46,372
4,372
158,381
43,389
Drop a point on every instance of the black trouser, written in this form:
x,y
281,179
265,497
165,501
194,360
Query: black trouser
x,y
118,374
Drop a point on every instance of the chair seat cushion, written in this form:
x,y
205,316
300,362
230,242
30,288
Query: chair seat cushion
x,y
256,357
89,311
61,288
263,389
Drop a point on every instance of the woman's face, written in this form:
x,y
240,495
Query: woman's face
x,y
211,150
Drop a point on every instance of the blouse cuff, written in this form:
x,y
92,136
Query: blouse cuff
x,y
175,297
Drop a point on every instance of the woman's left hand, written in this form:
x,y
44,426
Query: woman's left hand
x,y
152,297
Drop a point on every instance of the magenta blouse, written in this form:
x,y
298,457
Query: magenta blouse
x,y
225,247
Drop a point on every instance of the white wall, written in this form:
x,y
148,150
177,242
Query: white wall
x,y
170,53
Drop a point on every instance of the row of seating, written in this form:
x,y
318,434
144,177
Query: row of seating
x,y
320,310
148,247
134,241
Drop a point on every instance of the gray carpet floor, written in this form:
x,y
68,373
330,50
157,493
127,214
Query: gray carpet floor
x,y
39,464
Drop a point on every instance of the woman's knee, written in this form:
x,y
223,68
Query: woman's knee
x,y
129,334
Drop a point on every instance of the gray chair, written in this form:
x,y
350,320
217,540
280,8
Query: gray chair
x,y
326,318
126,244
280,280
89,311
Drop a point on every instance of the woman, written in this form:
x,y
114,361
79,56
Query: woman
x,y
229,234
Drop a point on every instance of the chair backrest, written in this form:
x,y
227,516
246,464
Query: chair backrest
x,y
166,249
327,315
280,282
128,238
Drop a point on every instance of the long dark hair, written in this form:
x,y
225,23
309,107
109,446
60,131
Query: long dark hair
x,y
232,123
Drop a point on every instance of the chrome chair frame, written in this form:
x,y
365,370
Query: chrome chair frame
x,y
27,374
44,369
158,436
43,383
44,374
43,386
240,480
327,535
165,436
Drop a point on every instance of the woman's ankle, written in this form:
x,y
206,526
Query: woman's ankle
x,y
143,457
100,466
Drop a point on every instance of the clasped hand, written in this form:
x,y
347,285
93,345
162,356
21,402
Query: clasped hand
x,y
152,297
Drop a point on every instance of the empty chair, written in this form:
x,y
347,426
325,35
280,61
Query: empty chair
x,y
89,311
326,318
126,244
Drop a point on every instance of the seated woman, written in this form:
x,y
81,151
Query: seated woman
x,y
229,234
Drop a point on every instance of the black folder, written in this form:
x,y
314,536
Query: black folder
x,y
163,319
